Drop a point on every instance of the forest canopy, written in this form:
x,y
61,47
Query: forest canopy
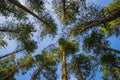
x,y
59,40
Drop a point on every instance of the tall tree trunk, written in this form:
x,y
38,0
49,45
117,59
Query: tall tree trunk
x,y
114,15
107,48
37,72
64,67
79,71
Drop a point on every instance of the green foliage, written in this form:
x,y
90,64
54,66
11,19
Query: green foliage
x,y
22,32
68,46
85,64
47,62
29,45
2,43
111,28
90,41
6,66
36,5
71,9
112,7
26,62
48,28
46,58
108,59
8,9
110,66
25,37
9,66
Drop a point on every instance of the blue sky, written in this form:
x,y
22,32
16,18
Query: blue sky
x,y
114,41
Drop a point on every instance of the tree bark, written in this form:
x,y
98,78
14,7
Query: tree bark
x,y
112,16
79,71
12,53
37,72
64,67
107,48
16,3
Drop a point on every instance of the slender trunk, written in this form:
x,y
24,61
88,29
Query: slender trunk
x,y
107,48
12,73
37,72
12,53
79,71
39,77
16,69
64,7
64,67
114,15
16,3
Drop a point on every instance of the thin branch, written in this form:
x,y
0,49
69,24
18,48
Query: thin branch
x,y
107,48
8,30
12,53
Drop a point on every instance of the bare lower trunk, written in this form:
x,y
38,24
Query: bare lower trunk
x,y
64,67
79,71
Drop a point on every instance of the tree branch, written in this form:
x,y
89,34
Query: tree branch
x,y
12,53
16,3
112,16
107,48
8,30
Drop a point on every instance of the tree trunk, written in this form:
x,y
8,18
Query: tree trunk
x,y
79,71
112,16
64,67
107,48
12,73
37,72
15,70
16,3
